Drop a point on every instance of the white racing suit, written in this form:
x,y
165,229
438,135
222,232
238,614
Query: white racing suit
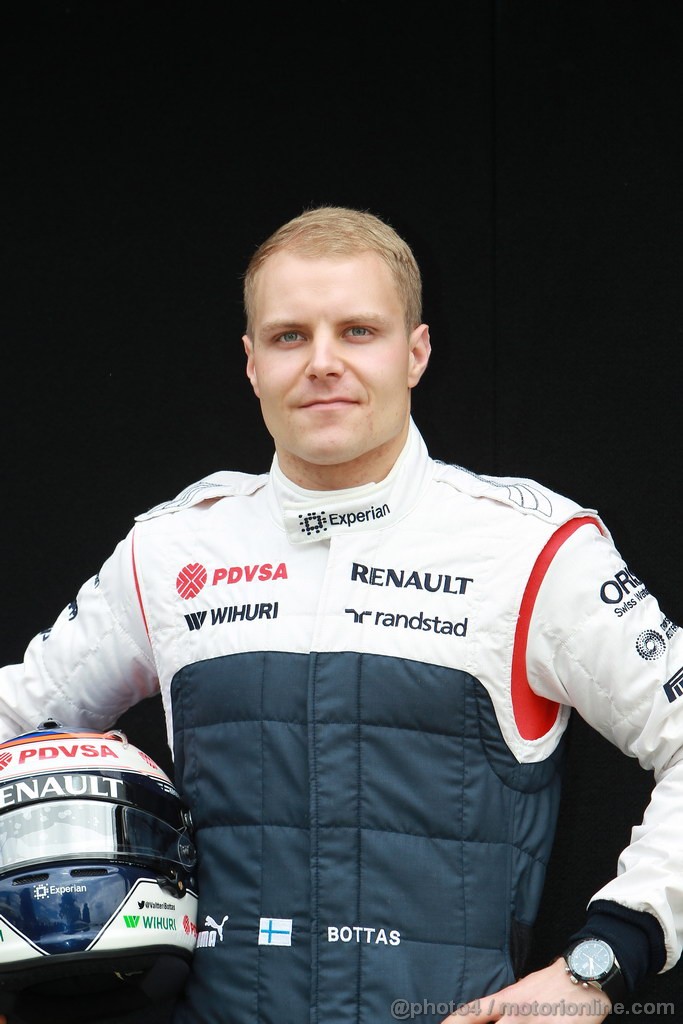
x,y
366,694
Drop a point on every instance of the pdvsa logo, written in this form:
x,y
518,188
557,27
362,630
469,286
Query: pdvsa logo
x,y
192,579
148,760
5,759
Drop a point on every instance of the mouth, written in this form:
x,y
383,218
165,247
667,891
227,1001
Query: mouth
x,y
328,403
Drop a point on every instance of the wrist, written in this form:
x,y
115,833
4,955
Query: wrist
x,y
591,963
635,936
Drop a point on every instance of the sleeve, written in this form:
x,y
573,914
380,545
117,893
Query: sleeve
x,y
600,642
92,665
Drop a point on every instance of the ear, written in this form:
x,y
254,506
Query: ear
x,y
251,369
420,348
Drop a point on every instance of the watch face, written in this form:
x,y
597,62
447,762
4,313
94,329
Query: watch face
x,y
591,959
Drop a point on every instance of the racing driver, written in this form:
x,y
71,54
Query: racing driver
x,y
367,660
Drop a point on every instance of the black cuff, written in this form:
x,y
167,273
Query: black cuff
x,y
635,936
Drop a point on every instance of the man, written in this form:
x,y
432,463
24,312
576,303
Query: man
x,y
367,661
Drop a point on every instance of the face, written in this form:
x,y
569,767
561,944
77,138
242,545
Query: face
x,y
333,366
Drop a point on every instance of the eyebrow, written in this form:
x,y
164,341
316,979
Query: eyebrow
x,y
277,325
377,319
367,318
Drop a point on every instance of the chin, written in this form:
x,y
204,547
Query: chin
x,y
329,448
333,456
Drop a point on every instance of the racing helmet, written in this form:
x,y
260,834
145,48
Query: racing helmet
x,y
96,869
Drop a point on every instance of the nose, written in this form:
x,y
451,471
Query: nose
x,y
324,357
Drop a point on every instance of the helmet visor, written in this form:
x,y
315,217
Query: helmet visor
x,y
78,829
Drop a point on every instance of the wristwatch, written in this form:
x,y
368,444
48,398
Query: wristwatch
x,y
592,962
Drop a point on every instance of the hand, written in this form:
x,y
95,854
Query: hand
x,y
540,998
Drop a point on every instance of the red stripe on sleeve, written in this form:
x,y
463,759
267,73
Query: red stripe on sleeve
x,y
137,585
535,715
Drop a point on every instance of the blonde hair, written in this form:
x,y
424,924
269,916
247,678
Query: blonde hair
x,y
329,231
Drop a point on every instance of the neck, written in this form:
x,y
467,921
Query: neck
x,y
372,467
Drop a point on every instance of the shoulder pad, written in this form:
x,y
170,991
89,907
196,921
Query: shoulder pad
x,y
217,485
527,496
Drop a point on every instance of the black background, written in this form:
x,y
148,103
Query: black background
x,y
529,150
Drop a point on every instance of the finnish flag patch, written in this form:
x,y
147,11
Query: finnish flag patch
x,y
275,931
